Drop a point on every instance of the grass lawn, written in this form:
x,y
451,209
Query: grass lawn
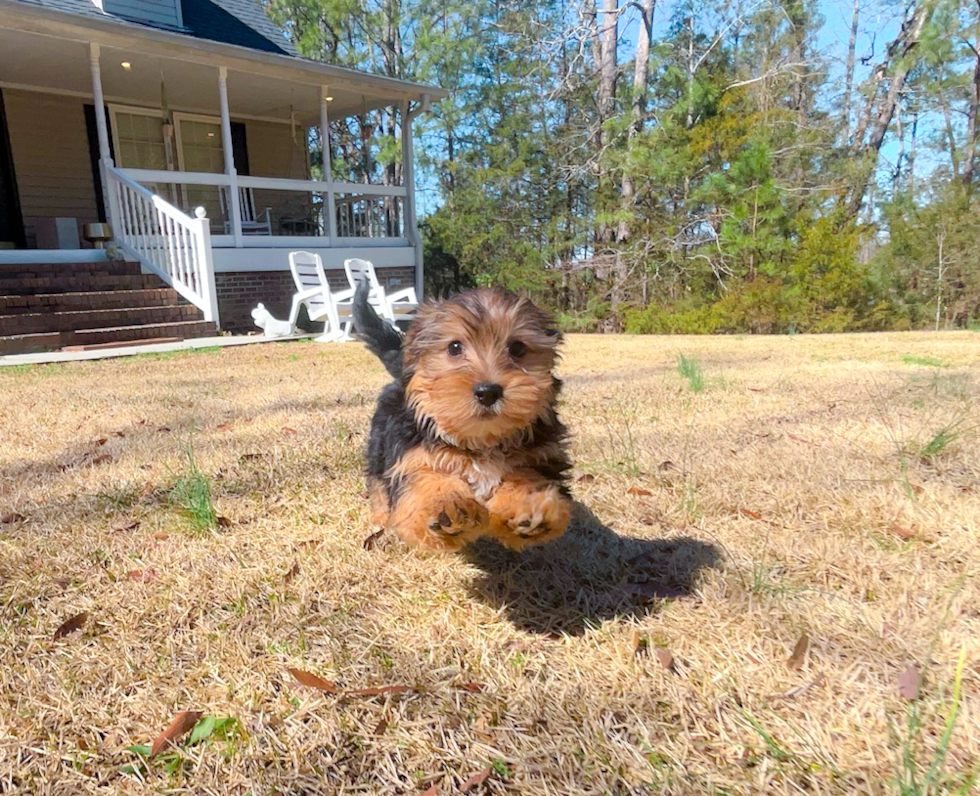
x,y
776,538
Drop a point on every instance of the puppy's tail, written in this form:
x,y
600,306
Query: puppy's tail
x,y
381,338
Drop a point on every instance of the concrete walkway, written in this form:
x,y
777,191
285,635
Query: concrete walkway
x,y
153,348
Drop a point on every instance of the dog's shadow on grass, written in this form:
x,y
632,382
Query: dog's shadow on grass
x,y
588,575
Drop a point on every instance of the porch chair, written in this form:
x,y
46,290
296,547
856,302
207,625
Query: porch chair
x,y
313,290
399,305
252,224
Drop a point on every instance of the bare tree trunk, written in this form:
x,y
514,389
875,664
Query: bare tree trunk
x,y
899,52
970,151
849,70
913,140
940,276
640,77
608,35
950,138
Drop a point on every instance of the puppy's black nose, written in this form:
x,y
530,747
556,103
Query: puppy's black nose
x,y
488,394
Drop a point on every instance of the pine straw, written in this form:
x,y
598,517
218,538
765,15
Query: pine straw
x,y
788,498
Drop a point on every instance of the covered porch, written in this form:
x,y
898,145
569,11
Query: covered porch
x,y
209,162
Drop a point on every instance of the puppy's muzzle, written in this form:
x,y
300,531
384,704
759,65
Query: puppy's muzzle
x,y
487,393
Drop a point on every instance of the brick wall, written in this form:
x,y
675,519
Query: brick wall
x,y
241,291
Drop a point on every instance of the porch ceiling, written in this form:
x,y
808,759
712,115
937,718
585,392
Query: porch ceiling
x,y
191,80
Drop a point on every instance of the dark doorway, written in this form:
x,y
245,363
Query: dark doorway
x,y
11,223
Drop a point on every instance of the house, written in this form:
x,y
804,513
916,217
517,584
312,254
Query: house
x,y
187,126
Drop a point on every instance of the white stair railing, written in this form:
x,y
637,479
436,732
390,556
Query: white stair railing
x,y
164,240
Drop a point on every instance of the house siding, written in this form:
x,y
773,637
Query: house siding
x,y
155,12
50,151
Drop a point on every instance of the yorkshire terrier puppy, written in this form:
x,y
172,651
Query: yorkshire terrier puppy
x,y
466,442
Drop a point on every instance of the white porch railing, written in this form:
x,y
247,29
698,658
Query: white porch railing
x,y
337,214
163,239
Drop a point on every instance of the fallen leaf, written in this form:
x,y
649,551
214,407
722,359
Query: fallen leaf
x,y
224,427
432,790
119,433
798,655
800,439
163,429
308,544
667,465
129,526
381,689
223,522
161,536
586,478
293,572
102,458
475,780
101,441
289,432
473,688
757,389
639,491
909,682
666,658
380,729
142,575
903,532
638,642
755,515
177,728
70,625
312,681
12,517
371,540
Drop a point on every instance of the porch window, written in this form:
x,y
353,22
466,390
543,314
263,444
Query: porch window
x,y
139,140
200,149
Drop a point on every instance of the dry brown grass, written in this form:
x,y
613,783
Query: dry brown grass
x,y
793,496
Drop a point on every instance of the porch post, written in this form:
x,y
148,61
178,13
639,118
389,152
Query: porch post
x,y
234,200
99,102
408,170
330,206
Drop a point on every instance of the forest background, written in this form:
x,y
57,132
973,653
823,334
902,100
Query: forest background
x,y
765,166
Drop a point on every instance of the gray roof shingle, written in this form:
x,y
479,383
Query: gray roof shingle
x,y
239,22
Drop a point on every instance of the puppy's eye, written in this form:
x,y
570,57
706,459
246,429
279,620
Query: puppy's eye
x,y
517,349
455,348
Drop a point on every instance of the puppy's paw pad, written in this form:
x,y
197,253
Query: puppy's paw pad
x,y
457,516
535,514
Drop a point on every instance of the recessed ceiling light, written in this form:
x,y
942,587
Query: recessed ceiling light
x,y
126,65
328,99
210,135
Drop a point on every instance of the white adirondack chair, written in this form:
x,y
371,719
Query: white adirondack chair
x,y
313,290
399,305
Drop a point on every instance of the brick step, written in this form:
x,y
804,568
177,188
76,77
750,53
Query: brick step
x,y
89,300
137,335
29,343
180,329
31,270
39,322
77,283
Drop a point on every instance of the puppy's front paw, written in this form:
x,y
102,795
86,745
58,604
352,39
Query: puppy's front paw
x,y
521,517
455,520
